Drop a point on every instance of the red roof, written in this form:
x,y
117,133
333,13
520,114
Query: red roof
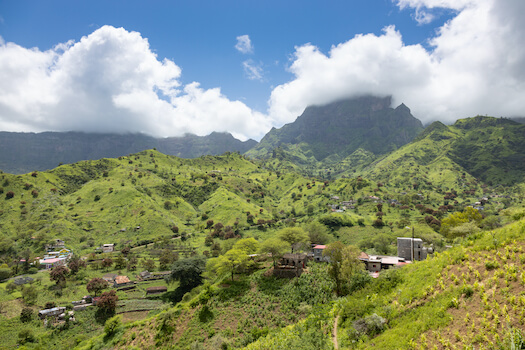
x,y
320,246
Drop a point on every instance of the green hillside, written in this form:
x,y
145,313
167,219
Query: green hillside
x,y
160,210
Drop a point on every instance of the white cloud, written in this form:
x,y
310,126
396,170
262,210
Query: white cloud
x,y
252,70
244,44
111,81
476,66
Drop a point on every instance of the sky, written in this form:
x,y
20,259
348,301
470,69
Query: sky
x,y
166,68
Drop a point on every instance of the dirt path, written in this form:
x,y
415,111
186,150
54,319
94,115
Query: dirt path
x,y
336,344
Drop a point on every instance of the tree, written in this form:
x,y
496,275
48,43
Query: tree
x,y
132,263
248,245
188,272
59,274
167,257
469,214
344,262
295,236
234,260
148,264
75,264
125,251
108,302
120,263
274,246
29,294
96,285
106,263
317,232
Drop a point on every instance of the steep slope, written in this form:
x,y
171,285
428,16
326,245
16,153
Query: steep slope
x,y
475,149
42,151
335,131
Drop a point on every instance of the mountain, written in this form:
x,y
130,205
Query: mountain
x,y
486,149
42,151
333,132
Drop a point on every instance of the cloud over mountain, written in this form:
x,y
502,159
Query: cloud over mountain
x,y
112,81
476,66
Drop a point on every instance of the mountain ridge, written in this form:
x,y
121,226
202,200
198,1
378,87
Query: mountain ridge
x,y
46,150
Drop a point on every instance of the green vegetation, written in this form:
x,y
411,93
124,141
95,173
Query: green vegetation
x,y
217,226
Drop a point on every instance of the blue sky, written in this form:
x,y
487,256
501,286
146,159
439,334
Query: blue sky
x,y
188,75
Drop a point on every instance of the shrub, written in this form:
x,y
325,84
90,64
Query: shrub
x,y
26,315
468,291
369,325
9,195
26,336
5,273
491,265
112,325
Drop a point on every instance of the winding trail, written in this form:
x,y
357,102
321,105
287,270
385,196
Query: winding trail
x,y
336,343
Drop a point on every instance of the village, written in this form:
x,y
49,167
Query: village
x,y
290,265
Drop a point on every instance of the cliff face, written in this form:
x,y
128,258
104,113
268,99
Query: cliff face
x,y
344,126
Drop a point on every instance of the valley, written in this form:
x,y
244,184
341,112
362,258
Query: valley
x,y
216,226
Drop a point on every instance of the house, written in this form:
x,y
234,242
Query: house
x,y
53,312
318,253
109,277
291,265
407,246
49,263
375,263
122,281
156,290
108,248
147,276
144,275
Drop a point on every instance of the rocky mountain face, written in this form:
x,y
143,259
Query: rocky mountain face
x,y
343,127
25,152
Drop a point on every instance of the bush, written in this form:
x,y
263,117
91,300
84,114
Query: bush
x,y
369,325
5,272
491,265
112,325
26,315
468,291
26,336
9,195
